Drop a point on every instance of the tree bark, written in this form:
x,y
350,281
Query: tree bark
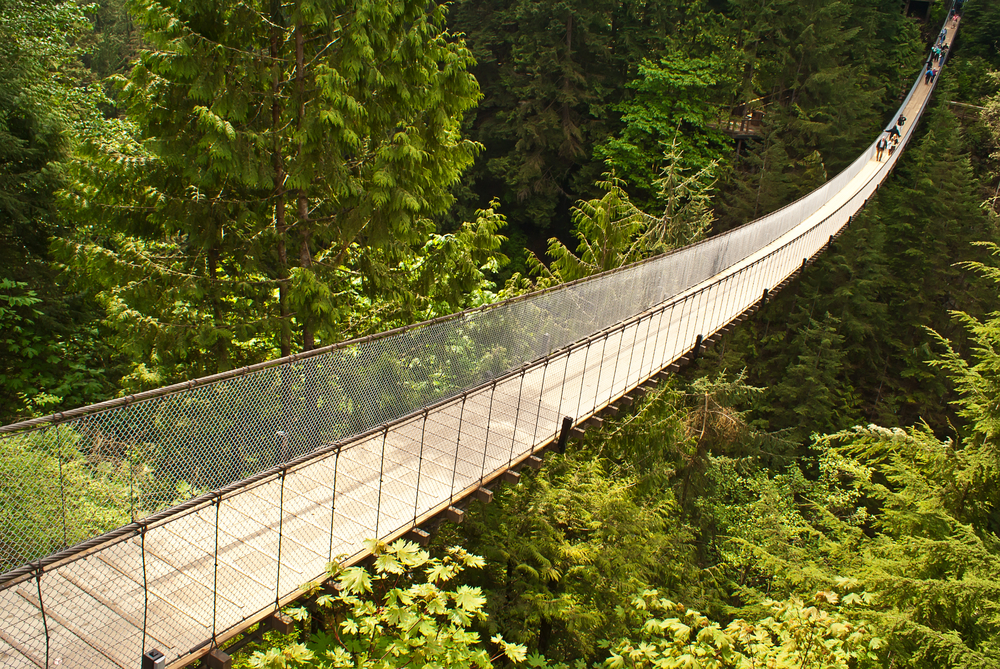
x,y
220,348
278,163
305,232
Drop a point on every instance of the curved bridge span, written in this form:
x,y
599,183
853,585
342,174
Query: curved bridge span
x,y
307,456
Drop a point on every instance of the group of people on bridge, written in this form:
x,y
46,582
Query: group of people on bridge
x,y
887,144
938,53
890,141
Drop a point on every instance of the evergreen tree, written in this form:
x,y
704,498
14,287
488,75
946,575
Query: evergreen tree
x,y
826,73
813,386
980,25
282,153
553,75
614,232
889,277
674,104
572,543
50,350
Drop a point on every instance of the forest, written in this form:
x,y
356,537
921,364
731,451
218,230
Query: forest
x,y
191,187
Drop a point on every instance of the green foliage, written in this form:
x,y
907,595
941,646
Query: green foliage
x,y
116,40
793,636
564,549
990,124
42,366
606,229
977,470
449,272
670,114
548,72
826,73
402,613
848,345
911,517
980,24
771,175
813,385
924,579
50,355
41,98
614,232
274,179
60,488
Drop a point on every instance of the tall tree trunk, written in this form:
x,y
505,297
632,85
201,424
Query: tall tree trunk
x,y
220,348
544,634
280,226
305,252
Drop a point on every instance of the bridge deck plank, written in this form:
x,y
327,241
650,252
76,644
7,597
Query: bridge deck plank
x,y
10,657
98,628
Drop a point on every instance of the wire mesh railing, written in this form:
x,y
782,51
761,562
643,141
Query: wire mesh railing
x,y
229,494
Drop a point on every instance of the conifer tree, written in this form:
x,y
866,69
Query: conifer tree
x,y
50,351
276,144
614,232
674,104
890,276
813,385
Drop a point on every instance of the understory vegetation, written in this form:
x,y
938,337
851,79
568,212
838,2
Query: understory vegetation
x,y
191,187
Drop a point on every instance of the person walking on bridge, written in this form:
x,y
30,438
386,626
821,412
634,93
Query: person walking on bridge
x,y
880,147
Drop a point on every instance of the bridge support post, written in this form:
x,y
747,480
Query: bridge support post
x,y
763,299
697,348
419,536
216,659
154,659
567,425
534,462
279,622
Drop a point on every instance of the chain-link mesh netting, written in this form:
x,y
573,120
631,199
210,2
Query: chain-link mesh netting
x,y
458,401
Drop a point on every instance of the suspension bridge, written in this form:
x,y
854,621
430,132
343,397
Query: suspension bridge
x,y
241,487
